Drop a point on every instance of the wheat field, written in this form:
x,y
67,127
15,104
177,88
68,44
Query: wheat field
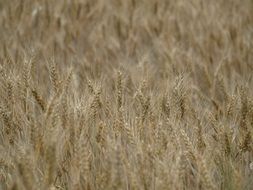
x,y
126,95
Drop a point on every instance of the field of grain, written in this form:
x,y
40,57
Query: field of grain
x,y
126,95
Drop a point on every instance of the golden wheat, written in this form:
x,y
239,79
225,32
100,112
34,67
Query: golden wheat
x,y
126,94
